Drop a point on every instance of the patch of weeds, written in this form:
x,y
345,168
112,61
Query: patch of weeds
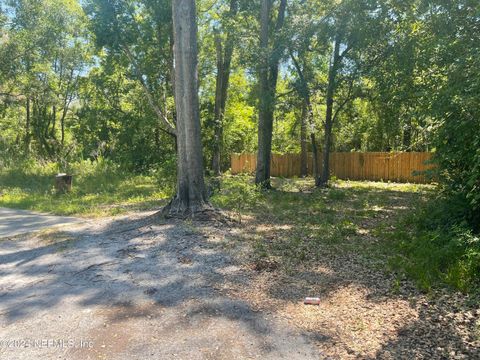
x,y
396,285
99,188
238,194
260,249
347,228
433,248
262,260
336,194
360,204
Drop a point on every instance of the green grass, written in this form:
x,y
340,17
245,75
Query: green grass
x,y
433,245
400,227
99,189
300,224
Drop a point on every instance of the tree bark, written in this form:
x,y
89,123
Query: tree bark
x,y
263,161
268,76
191,197
332,75
303,141
62,125
305,94
219,111
27,127
313,140
407,134
54,120
224,61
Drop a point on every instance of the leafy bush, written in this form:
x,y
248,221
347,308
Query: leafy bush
x,y
458,158
440,247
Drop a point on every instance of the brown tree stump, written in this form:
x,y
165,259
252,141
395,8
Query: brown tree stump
x,y
63,183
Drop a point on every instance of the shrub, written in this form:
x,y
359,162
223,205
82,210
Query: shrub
x,y
440,247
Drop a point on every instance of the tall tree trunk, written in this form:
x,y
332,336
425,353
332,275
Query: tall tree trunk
x,y
54,121
305,94
313,140
332,75
263,157
224,61
62,129
303,141
407,133
268,75
191,196
218,115
315,171
27,127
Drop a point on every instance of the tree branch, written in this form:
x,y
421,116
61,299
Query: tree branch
x,y
170,128
344,103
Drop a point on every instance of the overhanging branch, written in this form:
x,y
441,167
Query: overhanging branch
x,y
170,128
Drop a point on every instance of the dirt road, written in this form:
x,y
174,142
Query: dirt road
x,y
127,289
14,222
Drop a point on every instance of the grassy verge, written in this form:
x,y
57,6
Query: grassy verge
x,y
292,226
100,189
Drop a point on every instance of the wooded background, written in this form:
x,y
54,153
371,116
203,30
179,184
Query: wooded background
x,y
375,166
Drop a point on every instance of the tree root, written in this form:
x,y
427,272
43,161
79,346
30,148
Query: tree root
x,y
203,212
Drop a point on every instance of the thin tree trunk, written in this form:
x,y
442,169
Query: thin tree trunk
x,y
169,127
323,181
54,120
407,134
315,171
218,116
268,75
27,127
315,168
62,125
66,104
303,141
224,60
305,94
191,196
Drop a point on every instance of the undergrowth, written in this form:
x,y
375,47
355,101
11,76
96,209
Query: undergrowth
x,y
296,225
434,245
99,188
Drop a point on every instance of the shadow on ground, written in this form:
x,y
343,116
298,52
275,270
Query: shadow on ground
x,y
331,244
137,288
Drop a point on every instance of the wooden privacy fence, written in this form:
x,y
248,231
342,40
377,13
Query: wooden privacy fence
x,y
374,166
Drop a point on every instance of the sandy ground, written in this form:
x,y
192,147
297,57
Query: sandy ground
x,y
127,289
14,222
136,287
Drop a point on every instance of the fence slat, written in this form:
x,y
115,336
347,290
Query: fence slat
x,y
375,166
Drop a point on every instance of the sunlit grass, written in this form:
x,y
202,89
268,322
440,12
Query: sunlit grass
x,y
98,190
305,221
295,224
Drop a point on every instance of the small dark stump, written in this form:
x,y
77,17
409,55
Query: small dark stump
x,y
63,183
